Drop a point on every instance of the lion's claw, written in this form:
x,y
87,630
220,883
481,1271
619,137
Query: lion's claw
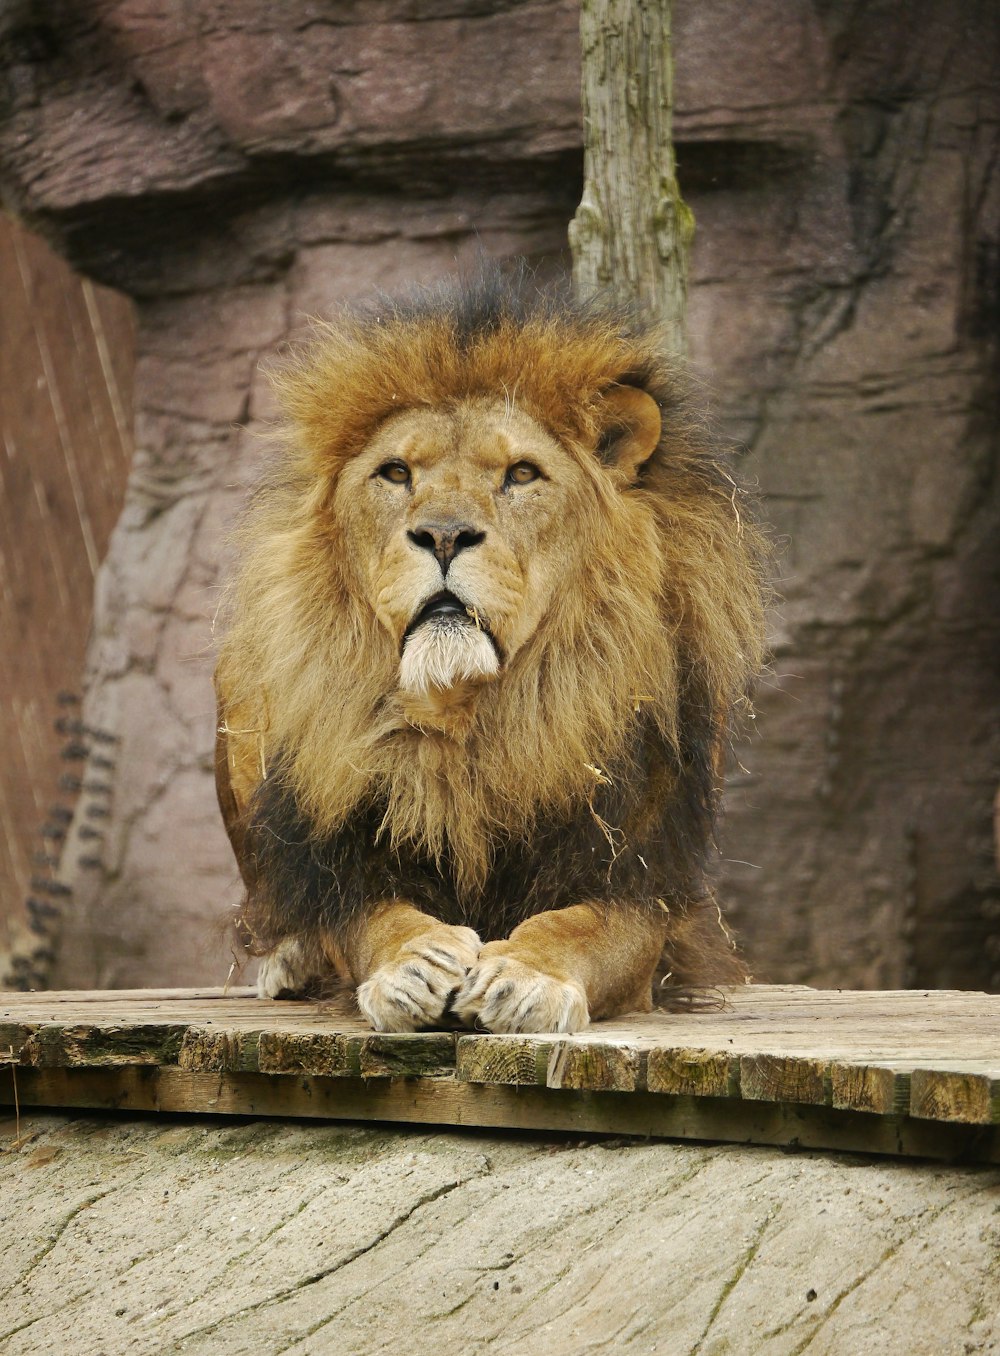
x,y
505,995
414,990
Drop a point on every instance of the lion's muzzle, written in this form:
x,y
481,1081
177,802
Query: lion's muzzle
x,y
442,605
446,644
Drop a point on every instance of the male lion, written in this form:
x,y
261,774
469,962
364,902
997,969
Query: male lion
x,y
497,602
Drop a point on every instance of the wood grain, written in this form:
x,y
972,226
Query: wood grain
x,y
899,1063
692,1073
969,1096
632,231
448,1102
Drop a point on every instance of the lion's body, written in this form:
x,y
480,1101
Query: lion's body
x,y
495,610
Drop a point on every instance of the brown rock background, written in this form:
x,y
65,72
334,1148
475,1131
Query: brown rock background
x,y
234,169
65,447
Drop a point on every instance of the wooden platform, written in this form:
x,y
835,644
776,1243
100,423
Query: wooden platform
x,y
908,1073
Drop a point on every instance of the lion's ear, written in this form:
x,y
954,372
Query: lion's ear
x,y
631,429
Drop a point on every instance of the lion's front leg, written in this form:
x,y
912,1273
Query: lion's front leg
x,y
407,966
559,969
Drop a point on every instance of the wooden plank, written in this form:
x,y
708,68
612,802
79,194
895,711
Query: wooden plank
x,y
581,1062
596,1066
451,1102
427,1055
896,1060
515,1061
56,1046
968,1096
692,1073
876,1088
204,1051
783,1078
113,1000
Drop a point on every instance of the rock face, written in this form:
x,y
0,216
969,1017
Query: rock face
x,y
267,1238
848,310
236,168
65,411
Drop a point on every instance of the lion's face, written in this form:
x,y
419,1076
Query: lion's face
x,y
525,581
460,526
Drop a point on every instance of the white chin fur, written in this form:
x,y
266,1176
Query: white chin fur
x,y
442,654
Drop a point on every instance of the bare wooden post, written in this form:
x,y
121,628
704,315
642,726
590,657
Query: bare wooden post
x,y
632,231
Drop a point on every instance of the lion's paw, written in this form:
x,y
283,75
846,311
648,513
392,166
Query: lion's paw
x,y
503,994
415,989
286,971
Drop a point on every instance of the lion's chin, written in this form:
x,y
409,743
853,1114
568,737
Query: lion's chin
x,y
446,653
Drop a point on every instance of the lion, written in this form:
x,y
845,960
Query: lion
x,y
498,600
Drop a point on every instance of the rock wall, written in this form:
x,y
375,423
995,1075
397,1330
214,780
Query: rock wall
x,y
238,168
65,448
848,267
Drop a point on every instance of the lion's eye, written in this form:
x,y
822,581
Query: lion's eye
x,y
396,472
522,473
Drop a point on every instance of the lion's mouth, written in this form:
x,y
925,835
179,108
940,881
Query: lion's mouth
x,y
445,607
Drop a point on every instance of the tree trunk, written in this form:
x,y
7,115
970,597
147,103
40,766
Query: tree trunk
x,y
632,231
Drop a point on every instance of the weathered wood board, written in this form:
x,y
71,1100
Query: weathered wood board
x,y
913,1073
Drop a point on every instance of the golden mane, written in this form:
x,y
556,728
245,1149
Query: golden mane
x,y
664,617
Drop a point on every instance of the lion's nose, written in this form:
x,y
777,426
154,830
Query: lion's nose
x,y
445,540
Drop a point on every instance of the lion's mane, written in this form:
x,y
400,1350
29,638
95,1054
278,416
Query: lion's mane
x,y
590,770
